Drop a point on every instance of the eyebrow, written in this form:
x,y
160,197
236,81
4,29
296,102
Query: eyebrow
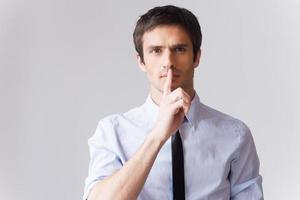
x,y
172,46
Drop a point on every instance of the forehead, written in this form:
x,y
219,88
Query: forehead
x,y
165,35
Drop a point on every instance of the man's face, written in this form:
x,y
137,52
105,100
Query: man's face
x,y
169,46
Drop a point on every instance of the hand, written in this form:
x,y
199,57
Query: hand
x,y
174,106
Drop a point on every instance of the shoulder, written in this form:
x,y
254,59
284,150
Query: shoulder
x,y
110,120
118,119
114,123
114,128
221,120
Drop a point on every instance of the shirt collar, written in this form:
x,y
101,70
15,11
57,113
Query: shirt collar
x,y
152,109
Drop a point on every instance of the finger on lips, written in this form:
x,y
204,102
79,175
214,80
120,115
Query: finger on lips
x,y
179,97
168,83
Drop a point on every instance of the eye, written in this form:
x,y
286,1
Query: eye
x,y
180,49
155,50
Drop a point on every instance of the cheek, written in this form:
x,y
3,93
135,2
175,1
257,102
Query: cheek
x,y
153,72
154,62
184,60
153,69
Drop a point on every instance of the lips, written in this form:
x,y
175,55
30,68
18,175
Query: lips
x,y
165,75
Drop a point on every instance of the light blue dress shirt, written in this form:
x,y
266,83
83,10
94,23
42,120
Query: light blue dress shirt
x,y
220,159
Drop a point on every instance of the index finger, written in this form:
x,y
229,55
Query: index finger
x,y
168,83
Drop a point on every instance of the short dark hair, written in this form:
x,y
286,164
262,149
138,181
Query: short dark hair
x,y
167,15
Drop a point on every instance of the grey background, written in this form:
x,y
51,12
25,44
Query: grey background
x,y
66,64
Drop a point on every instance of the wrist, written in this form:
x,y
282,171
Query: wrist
x,y
155,136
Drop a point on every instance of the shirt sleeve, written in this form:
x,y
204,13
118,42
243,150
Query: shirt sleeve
x,y
104,159
245,180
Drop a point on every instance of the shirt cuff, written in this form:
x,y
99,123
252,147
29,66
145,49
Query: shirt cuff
x,y
240,187
88,189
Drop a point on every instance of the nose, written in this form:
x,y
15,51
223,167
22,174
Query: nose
x,y
168,60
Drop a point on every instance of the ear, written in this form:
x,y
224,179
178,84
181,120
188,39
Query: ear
x,y
197,59
140,63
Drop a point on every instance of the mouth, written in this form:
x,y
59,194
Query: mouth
x,y
165,75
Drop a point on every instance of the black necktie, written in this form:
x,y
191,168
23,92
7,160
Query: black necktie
x,y
178,167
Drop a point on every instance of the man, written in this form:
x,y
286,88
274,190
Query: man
x,y
173,146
